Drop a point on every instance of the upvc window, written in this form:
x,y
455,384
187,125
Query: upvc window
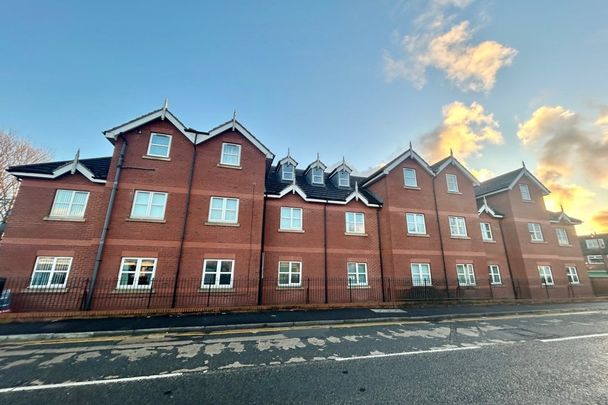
x,y
486,231
159,146
562,236
231,154
524,191
357,274
546,277
465,274
149,205
572,275
343,179
494,272
595,243
421,274
288,172
50,272
409,177
217,273
69,203
595,259
290,274
291,219
355,222
536,233
452,182
222,209
415,224
136,272
317,175
458,226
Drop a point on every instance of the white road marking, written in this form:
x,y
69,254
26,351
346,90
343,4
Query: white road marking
x,y
387,310
92,382
375,356
244,339
561,339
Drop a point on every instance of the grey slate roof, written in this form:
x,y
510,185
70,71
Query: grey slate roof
x,y
436,166
497,183
328,191
98,166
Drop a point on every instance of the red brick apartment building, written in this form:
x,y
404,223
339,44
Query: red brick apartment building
x,y
184,218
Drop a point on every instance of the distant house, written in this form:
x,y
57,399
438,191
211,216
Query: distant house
x,y
595,250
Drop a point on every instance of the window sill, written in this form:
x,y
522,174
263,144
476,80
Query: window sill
x,y
497,285
455,192
539,241
543,285
165,159
527,201
419,235
355,234
44,290
225,166
289,287
488,241
216,289
228,224
291,230
133,290
156,221
65,219
355,287
468,286
460,237
560,245
411,188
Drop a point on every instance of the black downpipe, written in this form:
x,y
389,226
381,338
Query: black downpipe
x,y
445,270
261,276
185,223
106,226
380,251
325,250
504,245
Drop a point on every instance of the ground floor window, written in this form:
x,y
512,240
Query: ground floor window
x,y
494,271
136,272
572,275
290,274
357,273
546,277
421,274
51,272
218,273
466,274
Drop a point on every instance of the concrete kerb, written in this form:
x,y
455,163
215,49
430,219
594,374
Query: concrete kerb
x,y
264,325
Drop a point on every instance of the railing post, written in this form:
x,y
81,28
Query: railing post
x,y
390,295
491,290
350,290
84,296
150,293
547,289
307,288
208,294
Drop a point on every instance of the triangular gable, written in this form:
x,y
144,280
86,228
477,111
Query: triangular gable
x,y
408,154
451,160
235,125
163,113
529,175
563,217
508,184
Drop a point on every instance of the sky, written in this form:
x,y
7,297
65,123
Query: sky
x,y
498,82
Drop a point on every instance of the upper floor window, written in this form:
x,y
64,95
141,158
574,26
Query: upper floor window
x,y
421,274
595,243
415,224
317,175
136,272
562,236
494,272
486,231
160,145
409,177
572,275
452,182
355,222
149,205
231,154
343,179
291,219
465,274
223,209
50,272
69,203
595,259
546,276
218,273
357,274
525,192
458,226
288,172
536,233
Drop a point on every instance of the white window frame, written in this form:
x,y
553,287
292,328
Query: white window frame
x,y
358,218
418,271
290,272
543,272
454,183
467,272
456,225
562,236
224,154
290,217
136,274
353,278
494,272
414,177
595,243
217,273
414,221
319,177
149,205
524,192
54,209
599,259
52,271
151,143
486,231
536,232
291,172
223,211
572,275
343,178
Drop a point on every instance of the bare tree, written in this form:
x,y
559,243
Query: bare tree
x,y
15,151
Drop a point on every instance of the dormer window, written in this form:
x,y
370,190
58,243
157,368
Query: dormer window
x,y
343,179
159,145
317,175
288,172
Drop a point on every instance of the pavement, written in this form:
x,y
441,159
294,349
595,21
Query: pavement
x,y
242,320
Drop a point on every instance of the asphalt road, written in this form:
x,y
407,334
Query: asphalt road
x,y
550,358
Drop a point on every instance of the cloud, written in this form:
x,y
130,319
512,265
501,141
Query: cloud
x,y
465,130
599,222
439,43
482,174
602,119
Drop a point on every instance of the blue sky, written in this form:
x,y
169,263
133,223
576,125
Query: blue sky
x,y
312,76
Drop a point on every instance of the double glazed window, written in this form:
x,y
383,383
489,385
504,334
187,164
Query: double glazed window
x,y
494,272
357,274
572,275
159,146
458,226
136,272
290,274
466,274
317,175
421,274
536,233
288,172
231,154
343,179
595,259
409,178
291,219
595,243
218,273
415,224
224,210
50,272
69,204
452,182
562,236
149,205
486,231
524,191
355,222
546,277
